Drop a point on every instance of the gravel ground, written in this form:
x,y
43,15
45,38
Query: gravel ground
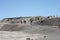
x,y
6,35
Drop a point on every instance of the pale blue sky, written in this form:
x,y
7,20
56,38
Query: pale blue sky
x,y
13,8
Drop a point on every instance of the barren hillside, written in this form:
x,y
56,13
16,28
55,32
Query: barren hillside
x,y
18,31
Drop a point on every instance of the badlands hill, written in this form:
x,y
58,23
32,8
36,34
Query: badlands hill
x,y
13,27
14,24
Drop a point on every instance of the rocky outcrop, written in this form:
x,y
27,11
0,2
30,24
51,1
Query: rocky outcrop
x,y
14,20
51,22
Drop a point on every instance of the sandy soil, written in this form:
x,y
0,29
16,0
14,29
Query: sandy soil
x,y
6,35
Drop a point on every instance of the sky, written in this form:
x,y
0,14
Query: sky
x,y
17,8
